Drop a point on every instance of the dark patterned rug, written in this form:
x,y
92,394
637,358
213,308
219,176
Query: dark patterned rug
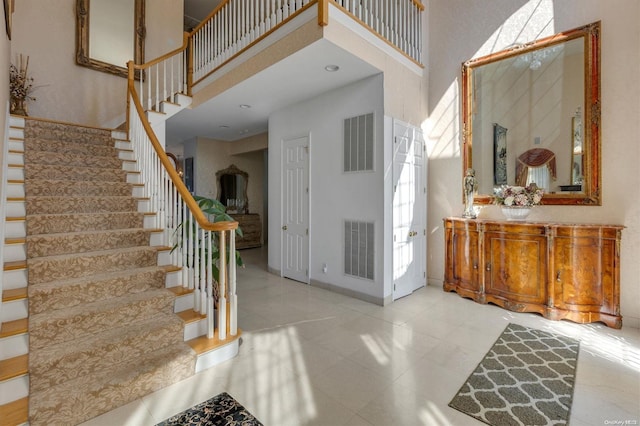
x,y
526,378
221,410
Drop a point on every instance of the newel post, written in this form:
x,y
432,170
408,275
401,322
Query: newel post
x,y
189,53
323,13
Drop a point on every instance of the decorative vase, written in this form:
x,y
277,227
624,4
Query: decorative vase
x,y
516,212
18,107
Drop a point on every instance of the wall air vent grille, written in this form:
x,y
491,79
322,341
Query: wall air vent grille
x,y
358,249
358,143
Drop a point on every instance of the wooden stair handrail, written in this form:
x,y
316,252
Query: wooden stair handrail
x,y
173,174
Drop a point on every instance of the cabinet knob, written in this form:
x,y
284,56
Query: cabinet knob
x,y
475,266
488,267
284,228
558,276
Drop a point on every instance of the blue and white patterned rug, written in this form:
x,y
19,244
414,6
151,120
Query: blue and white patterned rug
x,y
526,378
221,410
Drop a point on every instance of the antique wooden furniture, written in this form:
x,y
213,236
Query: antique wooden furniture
x,y
559,270
251,226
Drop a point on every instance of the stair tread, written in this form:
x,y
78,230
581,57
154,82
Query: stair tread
x,y
15,265
15,412
190,316
10,295
17,240
15,327
14,367
203,344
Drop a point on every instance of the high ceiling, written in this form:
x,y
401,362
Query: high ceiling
x,y
298,77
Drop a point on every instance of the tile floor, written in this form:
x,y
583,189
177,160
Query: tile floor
x,y
313,357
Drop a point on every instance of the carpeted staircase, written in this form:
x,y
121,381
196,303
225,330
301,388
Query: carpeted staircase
x,y
102,331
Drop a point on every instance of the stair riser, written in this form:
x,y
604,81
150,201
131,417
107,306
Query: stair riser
x,y
35,158
14,279
89,204
212,358
15,190
66,136
195,329
14,346
15,172
16,130
14,310
14,389
16,144
126,155
183,303
16,209
80,223
64,297
77,189
69,149
64,172
14,252
15,158
15,229
55,269
50,331
47,245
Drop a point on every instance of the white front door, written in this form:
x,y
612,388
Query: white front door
x,y
409,207
295,209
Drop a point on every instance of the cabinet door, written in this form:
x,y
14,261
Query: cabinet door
x,y
462,256
585,274
515,270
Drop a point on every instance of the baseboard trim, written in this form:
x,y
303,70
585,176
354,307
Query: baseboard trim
x,y
349,292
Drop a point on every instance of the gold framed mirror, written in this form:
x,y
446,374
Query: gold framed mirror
x,y
519,117
109,34
232,189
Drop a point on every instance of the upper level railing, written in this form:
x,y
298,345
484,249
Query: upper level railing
x,y
235,25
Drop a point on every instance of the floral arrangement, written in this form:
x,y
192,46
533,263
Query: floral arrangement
x,y
20,84
518,196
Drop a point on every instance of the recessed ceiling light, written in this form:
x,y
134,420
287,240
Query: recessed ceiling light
x,y
245,106
331,68
223,126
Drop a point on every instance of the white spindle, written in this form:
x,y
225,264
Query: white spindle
x,y
233,297
222,290
210,295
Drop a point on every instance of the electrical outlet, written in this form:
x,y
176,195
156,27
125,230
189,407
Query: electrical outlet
x,y
324,268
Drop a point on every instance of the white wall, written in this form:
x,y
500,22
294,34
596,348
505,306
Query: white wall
x,y
460,30
211,156
45,30
5,47
335,196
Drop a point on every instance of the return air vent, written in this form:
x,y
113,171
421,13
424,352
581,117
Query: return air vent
x,y
358,143
358,249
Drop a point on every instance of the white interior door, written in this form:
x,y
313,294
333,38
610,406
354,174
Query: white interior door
x,y
409,207
295,211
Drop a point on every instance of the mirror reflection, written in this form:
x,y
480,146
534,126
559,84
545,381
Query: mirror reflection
x,y
109,33
232,189
523,118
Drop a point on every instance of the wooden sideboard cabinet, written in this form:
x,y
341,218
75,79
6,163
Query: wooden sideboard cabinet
x,y
559,270
251,226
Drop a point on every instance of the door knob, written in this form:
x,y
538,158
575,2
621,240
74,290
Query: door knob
x,y
284,228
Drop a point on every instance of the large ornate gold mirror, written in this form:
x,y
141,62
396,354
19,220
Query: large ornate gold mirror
x,y
109,33
531,113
